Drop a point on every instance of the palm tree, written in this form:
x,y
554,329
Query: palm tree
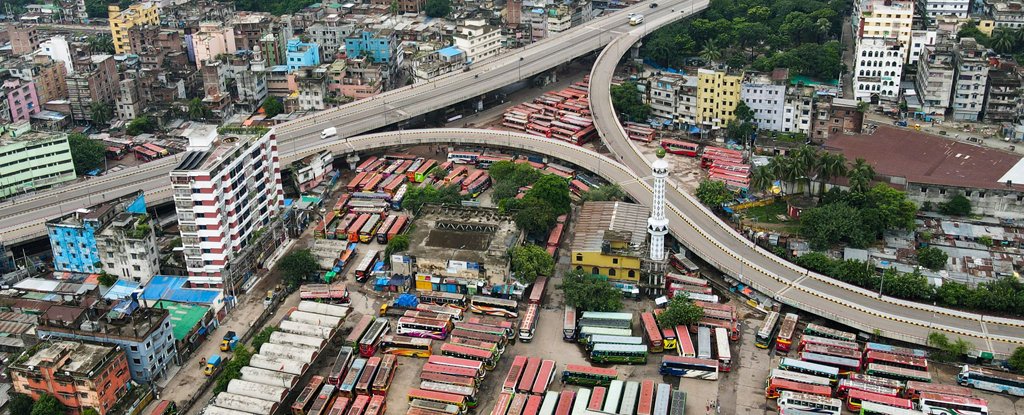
x,y
100,112
861,174
711,52
806,158
761,178
1003,40
830,165
824,26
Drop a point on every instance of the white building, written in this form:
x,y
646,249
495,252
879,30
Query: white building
x,y
971,79
938,8
559,20
766,98
885,19
226,189
478,39
920,39
212,39
879,68
58,49
798,112
935,74
312,170
127,248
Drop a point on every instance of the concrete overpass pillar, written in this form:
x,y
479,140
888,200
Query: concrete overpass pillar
x,y
352,160
634,52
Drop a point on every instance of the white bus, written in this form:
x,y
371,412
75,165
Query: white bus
x,y
808,402
799,377
614,395
569,324
528,325
582,400
703,342
494,306
875,408
724,355
549,404
933,403
629,397
991,381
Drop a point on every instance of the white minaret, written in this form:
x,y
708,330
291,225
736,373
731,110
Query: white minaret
x,y
657,224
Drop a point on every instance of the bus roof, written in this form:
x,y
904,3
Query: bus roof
x,y
600,371
788,361
620,348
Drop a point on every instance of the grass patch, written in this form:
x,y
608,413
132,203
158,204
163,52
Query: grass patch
x,y
767,213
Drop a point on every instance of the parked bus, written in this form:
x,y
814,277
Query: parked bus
x,y
629,394
424,328
452,370
519,404
582,399
368,344
684,344
365,267
405,346
794,365
902,351
365,383
588,375
528,324
439,397
872,408
668,335
785,337
545,375
497,340
385,374
569,324
619,353
597,398
767,331
846,366
468,392
798,377
875,380
777,385
723,353
469,325
494,306
732,326
915,388
508,326
464,352
422,407
577,188
359,404
645,399
846,385
340,365
834,351
651,332
600,339
382,232
419,313
514,374
855,397
989,380
689,367
934,403
909,362
478,344
444,298
816,404
606,319
307,396
807,339
529,375
611,402
369,229
680,147
348,385
704,342
453,313
549,404
662,399
564,402
352,340
587,332
681,263
822,331
452,379
678,406
377,406
899,373
339,405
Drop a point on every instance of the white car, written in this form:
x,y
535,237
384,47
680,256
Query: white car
x,y
329,132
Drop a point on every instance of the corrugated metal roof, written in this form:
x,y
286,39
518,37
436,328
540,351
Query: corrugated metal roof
x,y
596,218
37,284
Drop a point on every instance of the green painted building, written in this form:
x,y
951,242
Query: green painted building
x,y
31,160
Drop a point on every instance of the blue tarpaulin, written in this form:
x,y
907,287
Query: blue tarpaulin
x,y
407,300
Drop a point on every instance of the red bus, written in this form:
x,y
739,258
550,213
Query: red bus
x,y
777,385
368,344
537,292
533,405
876,380
339,405
847,385
544,377
684,345
365,165
377,405
906,362
808,339
518,404
578,188
857,396
784,339
565,402
458,363
465,352
353,185
914,389
514,373
364,386
307,396
359,405
834,351
529,375
555,237
504,401
382,231
655,343
451,379
398,227
385,374
357,225
597,398
646,404
680,147
713,323
358,331
450,370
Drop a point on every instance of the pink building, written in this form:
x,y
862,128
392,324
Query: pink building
x,y
21,99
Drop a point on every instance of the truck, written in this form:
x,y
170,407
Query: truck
x,y
397,308
229,342
212,364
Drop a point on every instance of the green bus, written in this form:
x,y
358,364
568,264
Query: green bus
x,y
588,375
619,353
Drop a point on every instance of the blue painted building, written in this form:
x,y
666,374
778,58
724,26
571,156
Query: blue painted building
x,y
301,54
379,47
73,237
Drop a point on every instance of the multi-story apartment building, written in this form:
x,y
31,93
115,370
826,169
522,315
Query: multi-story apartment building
x,y
537,19
610,240
879,70
1005,14
122,21
31,160
212,39
95,80
403,6
971,78
250,27
935,75
798,111
144,334
379,47
312,87
478,39
1003,101
250,79
920,39
885,19
21,97
663,97
330,33
312,170
836,116
80,375
130,101
766,96
449,59
225,190
24,38
362,78
718,93
301,54
47,75
559,19
939,8
58,49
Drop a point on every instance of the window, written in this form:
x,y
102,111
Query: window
x,y
595,271
138,362
579,257
615,260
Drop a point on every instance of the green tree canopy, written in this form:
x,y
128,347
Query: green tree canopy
x,y
275,7
438,8
101,112
959,205
272,107
107,280
1016,360
298,266
680,311
838,222
713,193
262,337
628,102
140,125
48,405
949,351
20,403
530,261
416,197
397,244
608,192
233,369
87,154
590,292
932,258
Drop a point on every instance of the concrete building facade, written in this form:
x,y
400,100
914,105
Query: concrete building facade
x,y
31,160
122,21
22,100
478,39
79,375
718,93
299,54
935,77
879,70
767,98
971,78
95,80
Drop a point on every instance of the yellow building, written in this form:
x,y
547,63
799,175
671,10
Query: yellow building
x,y
718,93
121,22
986,26
610,239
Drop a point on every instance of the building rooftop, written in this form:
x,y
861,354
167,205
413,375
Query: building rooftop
x,y
165,287
22,132
115,211
447,235
122,319
928,159
183,316
71,358
205,154
611,221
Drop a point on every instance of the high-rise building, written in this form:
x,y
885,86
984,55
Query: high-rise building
x,y
971,78
94,80
24,39
718,93
1003,101
122,21
939,8
766,97
879,69
935,73
79,375
479,39
32,160
226,189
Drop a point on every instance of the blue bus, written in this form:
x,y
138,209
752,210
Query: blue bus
x,y
991,380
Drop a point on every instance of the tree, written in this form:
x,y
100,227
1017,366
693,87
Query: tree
x,y
830,165
932,258
140,125
438,8
1003,40
826,225
743,112
262,337
101,43
589,292
1016,360
416,197
233,368
90,411
680,311
761,179
20,403
860,175
100,112
713,194
197,111
608,192
530,261
87,154
48,405
107,280
628,102
553,191
533,215
959,205
710,51
397,244
949,351
272,107
297,266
